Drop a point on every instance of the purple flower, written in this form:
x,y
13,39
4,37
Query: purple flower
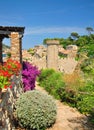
x,y
29,75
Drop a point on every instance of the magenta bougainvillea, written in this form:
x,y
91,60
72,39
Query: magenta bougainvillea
x,y
29,75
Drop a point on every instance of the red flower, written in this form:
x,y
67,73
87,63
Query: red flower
x,y
5,87
8,69
10,86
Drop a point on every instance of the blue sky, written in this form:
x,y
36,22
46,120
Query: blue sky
x,y
47,18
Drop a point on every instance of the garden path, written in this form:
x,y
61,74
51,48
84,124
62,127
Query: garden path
x,y
68,118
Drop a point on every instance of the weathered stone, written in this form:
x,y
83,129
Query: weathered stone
x,y
7,104
52,54
16,50
42,57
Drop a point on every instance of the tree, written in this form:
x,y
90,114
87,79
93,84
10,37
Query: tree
x,y
74,35
89,29
82,41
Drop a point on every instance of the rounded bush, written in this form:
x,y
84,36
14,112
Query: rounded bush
x,y
35,110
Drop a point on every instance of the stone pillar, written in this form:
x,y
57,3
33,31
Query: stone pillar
x,y
52,54
16,46
1,59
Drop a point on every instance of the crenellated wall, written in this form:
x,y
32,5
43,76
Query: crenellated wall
x,y
7,103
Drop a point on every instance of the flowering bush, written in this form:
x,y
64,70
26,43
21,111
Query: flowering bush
x,y
12,66
29,74
8,69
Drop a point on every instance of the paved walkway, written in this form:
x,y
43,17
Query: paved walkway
x,y
68,118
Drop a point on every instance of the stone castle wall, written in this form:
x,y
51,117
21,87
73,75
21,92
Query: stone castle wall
x,y
48,58
67,65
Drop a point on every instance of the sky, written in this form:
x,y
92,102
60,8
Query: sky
x,y
46,18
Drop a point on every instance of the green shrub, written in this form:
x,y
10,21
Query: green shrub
x,y
52,81
88,87
86,102
73,89
45,73
86,105
35,110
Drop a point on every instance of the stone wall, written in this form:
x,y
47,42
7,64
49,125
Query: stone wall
x,y
67,65
7,104
39,57
48,58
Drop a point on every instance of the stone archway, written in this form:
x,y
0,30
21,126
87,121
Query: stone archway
x,y
15,34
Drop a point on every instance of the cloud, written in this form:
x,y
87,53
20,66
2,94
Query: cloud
x,y
48,30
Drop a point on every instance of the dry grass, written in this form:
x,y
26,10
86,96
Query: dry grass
x,y
74,81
